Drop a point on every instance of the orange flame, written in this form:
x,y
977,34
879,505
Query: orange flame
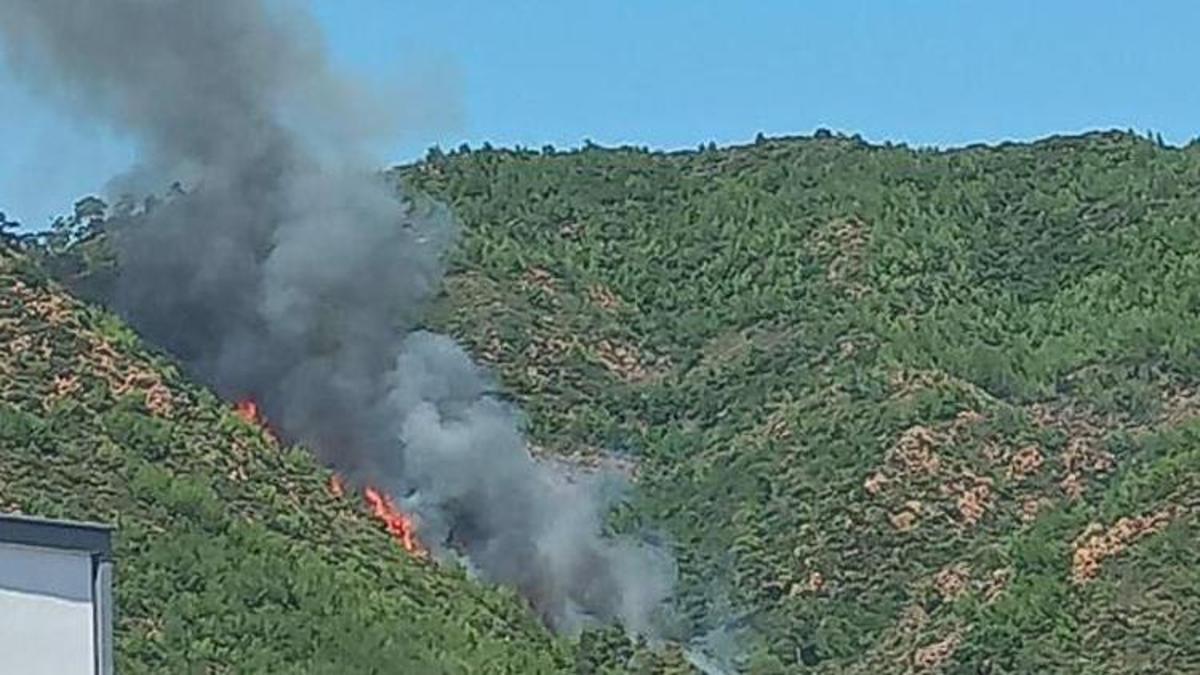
x,y
397,524
247,409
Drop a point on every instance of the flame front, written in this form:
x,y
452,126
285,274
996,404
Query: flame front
x,y
247,409
395,521
399,525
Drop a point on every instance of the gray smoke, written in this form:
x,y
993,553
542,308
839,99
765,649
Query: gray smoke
x,y
282,268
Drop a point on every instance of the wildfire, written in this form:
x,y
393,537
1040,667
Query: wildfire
x,y
247,409
395,521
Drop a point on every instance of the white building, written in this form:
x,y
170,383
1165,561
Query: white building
x,y
55,597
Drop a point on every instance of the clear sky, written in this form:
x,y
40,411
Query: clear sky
x,y
676,73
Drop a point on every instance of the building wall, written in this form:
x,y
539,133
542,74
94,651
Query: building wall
x,y
46,611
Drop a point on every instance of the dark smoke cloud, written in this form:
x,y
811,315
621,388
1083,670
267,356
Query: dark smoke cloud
x,y
288,271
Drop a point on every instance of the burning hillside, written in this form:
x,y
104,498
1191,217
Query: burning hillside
x,y
224,537
400,526
248,411
397,524
282,269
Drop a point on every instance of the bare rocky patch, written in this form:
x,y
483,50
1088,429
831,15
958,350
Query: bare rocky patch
x,y
1098,543
841,243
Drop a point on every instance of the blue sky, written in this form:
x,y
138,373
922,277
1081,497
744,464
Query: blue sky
x,y
676,73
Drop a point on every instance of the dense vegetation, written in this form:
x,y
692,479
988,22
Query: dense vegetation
x,y
232,554
897,410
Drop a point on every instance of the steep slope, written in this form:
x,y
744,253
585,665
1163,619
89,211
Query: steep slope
x,y
899,410
232,556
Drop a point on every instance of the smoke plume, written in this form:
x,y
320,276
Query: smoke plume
x,y
282,268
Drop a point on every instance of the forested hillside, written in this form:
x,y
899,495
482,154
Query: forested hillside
x,y
896,410
899,410
233,556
